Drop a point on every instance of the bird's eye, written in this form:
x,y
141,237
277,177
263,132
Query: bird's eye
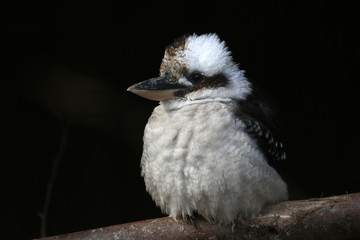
x,y
197,77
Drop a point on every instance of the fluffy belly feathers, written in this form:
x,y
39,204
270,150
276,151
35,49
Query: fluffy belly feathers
x,y
197,158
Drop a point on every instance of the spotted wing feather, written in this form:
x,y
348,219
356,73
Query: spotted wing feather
x,y
259,123
271,147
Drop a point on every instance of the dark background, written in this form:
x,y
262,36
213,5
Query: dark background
x,y
71,62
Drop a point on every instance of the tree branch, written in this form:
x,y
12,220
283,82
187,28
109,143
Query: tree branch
x,y
335,217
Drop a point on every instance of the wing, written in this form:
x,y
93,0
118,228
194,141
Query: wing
x,y
260,126
271,147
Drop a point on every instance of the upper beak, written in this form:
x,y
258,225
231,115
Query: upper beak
x,y
157,89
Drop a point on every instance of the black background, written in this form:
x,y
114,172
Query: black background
x,y
72,62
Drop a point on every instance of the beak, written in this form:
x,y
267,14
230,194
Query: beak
x,y
157,89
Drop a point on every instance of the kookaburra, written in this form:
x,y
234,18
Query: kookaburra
x,y
208,144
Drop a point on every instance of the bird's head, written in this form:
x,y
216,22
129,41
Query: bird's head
x,y
195,68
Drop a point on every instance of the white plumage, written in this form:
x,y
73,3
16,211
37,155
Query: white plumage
x,y
198,156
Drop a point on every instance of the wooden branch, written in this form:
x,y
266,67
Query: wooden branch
x,y
335,217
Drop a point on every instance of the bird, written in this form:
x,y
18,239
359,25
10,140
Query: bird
x,y
209,144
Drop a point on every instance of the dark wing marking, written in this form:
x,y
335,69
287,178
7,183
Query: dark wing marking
x,y
271,147
258,119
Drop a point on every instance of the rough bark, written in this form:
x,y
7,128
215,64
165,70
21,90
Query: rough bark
x,y
335,217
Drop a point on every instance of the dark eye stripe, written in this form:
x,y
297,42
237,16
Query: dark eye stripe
x,y
196,77
201,81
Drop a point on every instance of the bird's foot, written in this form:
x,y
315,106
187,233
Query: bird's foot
x,y
191,220
237,223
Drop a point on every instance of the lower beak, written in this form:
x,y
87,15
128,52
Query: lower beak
x,y
158,89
